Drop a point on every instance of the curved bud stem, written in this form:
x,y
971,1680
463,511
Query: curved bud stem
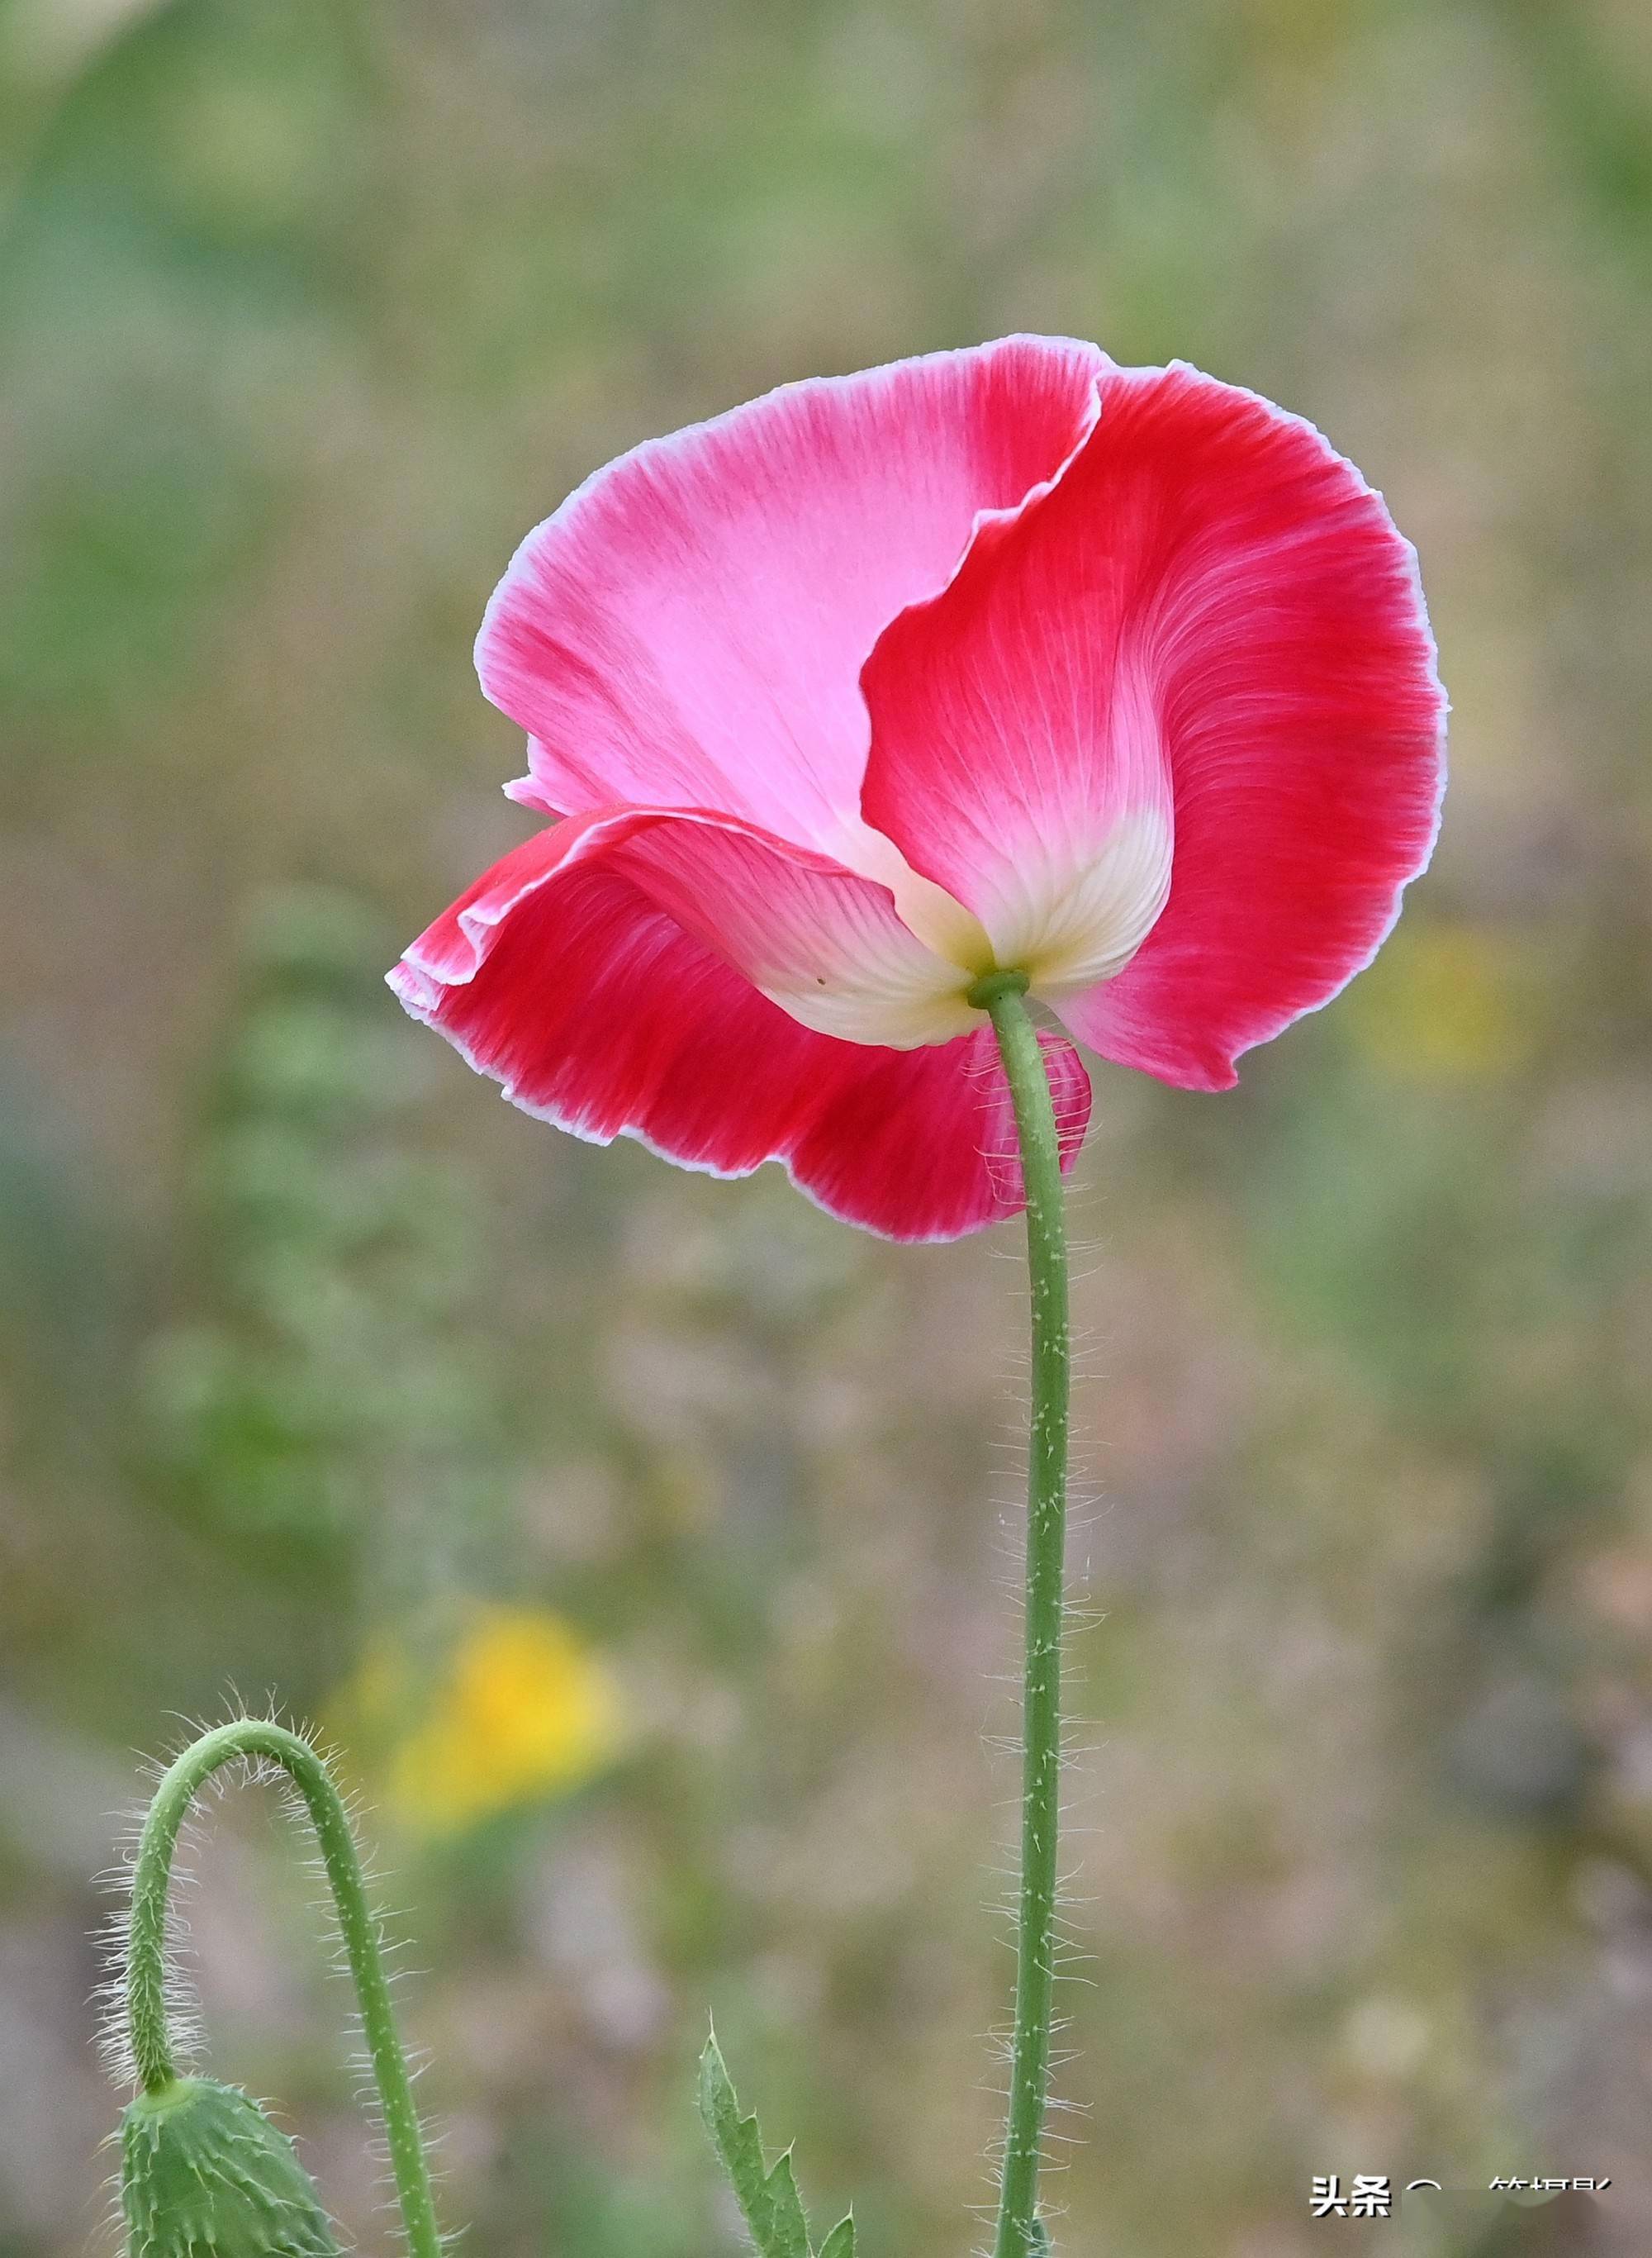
x,y
146,1941
1021,2233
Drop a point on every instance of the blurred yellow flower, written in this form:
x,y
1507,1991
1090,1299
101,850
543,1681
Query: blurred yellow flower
x,y
520,1710
1445,1001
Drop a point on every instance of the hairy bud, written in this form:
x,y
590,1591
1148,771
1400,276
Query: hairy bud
x,y
204,2173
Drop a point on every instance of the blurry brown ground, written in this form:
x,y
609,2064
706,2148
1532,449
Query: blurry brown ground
x,y
308,312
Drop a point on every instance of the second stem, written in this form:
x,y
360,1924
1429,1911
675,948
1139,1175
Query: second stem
x,y
258,1738
1020,2234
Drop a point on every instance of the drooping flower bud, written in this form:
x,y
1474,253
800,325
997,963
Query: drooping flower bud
x,y
204,2173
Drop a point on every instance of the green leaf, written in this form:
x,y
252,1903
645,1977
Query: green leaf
x,y
788,2228
769,2200
737,2141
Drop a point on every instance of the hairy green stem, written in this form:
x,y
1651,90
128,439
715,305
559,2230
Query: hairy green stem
x,y
146,1941
1020,2234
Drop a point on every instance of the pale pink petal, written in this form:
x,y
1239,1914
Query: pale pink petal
x,y
824,943
688,630
559,976
1199,662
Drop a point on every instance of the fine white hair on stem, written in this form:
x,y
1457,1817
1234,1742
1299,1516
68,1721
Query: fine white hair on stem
x,y
183,2006
1070,1956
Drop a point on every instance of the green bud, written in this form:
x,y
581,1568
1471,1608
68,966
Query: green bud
x,y
204,2173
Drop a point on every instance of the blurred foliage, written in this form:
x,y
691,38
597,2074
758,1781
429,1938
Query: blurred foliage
x,y
315,1354
327,1394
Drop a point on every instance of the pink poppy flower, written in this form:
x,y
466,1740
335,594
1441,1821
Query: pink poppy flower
x,y
1007,657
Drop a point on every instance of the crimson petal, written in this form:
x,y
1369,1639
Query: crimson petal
x,y
560,975
1211,613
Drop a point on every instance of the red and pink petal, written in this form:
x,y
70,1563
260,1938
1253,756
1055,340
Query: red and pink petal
x,y
560,975
1173,732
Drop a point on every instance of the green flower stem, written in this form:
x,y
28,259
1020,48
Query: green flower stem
x,y
147,1942
1020,2234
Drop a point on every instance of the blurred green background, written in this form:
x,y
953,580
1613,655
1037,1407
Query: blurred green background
x,y
673,1522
